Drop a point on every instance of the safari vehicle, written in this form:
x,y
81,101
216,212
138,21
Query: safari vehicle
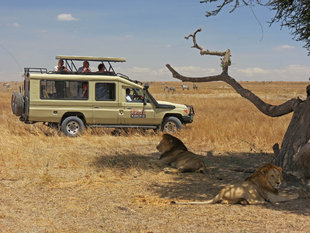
x,y
72,101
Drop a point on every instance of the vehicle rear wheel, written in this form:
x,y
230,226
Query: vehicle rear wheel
x,y
72,126
171,125
17,103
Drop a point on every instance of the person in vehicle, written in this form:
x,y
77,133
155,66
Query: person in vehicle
x,y
44,92
85,68
60,67
101,68
85,90
128,96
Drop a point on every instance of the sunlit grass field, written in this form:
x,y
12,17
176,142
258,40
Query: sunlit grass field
x,y
223,120
103,183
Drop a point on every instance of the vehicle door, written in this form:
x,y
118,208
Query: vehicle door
x,y
106,104
136,111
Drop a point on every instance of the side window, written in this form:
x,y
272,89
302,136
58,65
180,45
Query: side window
x,y
71,90
134,95
129,95
105,91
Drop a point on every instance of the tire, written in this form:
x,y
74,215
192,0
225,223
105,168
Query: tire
x,y
72,126
171,125
17,103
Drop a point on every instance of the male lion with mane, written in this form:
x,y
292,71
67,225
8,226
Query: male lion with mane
x,y
259,188
175,154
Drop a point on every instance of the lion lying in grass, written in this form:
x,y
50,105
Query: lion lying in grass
x,y
175,154
258,188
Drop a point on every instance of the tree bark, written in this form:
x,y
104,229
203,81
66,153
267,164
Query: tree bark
x,y
296,136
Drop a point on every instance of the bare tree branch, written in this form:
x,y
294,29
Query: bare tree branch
x,y
202,51
225,62
267,109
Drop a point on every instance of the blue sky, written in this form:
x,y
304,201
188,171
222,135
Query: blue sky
x,y
149,34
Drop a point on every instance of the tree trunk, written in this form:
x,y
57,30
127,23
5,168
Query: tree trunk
x,y
297,135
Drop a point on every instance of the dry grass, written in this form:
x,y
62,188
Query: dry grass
x,y
102,183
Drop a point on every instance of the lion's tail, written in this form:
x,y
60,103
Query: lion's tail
x,y
212,201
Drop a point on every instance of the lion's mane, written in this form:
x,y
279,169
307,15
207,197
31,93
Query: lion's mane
x,y
259,178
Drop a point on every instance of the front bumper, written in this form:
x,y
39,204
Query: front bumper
x,y
190,117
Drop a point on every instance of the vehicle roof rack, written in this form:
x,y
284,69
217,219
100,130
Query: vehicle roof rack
x,y
35,70
87,58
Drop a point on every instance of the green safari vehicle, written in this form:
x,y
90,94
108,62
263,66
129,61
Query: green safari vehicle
x,y
71,100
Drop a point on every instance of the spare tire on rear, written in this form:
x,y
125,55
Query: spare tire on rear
x,y
17,103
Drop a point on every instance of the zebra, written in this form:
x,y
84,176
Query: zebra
x,y
172,89
184,87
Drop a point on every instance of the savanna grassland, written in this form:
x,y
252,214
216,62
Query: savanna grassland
x,y
103,183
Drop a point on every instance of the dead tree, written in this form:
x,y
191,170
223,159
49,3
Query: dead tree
x,y
298,131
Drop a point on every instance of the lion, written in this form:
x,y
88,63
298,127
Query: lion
x,y
176,154
259,188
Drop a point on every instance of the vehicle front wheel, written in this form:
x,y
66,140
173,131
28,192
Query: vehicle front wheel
x,y
171,125
72,126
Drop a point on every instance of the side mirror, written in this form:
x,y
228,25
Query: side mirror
x,y
146,86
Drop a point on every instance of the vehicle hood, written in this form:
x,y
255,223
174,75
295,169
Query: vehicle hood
x,y
169,103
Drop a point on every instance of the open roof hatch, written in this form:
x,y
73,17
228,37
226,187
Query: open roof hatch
x,y
69,60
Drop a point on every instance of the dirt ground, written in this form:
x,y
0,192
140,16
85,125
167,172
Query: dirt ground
x,y
134,196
